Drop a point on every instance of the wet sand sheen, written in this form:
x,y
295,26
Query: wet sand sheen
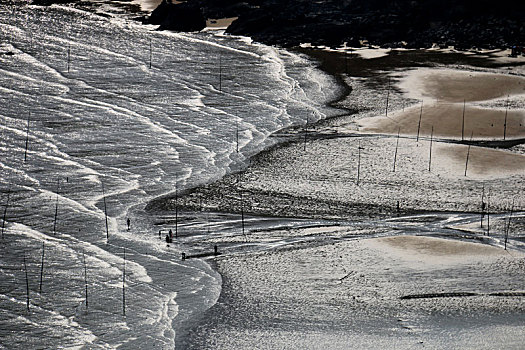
x,y
447,121
445,106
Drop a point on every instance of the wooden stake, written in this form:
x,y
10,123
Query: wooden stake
x,y
305,133
5,212
387,97
27,137
237,136
150,53
482,205
463,123
430,156
397,145
124,285
505,122
508,224
488,214
85,278
419,123
242,218
41,269
468,153
27,283
358,161
176,211
68,57
56,210
105,212
220,72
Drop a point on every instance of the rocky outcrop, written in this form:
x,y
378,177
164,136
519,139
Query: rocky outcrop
x,y
183,17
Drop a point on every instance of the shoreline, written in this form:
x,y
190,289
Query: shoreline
x,y
225,195
244,190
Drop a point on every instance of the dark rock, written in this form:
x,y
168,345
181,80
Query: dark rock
x,y
184,17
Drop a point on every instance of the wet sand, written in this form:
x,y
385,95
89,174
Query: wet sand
x,y
339,290
446,107
347,294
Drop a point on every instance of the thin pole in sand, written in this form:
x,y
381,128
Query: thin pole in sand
x,y
430,155
488,214
237,136
68,57
419,123
220,72
463,123
482,205
5,211
305,133
41,268
150,53
358,161
507,229
505,122
27,283
85,277
105,212
176,211
387,97
397,145
242,218
468,153
56,210
124,285
27,136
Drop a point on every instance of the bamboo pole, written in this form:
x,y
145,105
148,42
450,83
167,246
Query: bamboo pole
x,y
27,137
387,97
237,136
105,212
150,53
68,57
419,123
482,205
468,153
305,133
430,155
56,209
176,211
27,283
488,214
505,122
124,285
463,123
41,269
220,72
397,145
85,278
242,218
358,161
5,212
507,229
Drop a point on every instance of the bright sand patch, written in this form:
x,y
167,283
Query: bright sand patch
x,y
456,86
447,121
482,162
443,93
433,250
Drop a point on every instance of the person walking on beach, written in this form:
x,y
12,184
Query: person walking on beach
x,y
129,223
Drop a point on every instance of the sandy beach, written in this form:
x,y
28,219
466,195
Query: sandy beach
x,y
415,268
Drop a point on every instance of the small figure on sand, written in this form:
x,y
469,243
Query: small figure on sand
x,y
129,223
171,234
